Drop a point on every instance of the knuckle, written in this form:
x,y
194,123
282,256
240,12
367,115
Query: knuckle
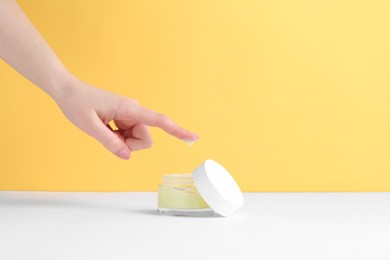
x,y
129,105
131,102
162,120
175,131
123,104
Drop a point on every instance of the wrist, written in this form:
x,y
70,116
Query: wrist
x,y
60,86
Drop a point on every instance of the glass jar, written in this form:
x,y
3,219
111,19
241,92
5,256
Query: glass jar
x,y
177,195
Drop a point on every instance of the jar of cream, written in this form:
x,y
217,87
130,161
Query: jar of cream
x,y
177,195
209,189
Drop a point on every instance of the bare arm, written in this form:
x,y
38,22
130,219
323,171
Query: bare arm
x,y
23,48
87,107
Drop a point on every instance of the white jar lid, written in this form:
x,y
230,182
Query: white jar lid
x,y
218,188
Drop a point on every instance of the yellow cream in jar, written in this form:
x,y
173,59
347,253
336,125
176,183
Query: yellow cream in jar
x,y
177,195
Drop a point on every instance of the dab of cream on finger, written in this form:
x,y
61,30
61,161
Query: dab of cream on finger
x,y
189,142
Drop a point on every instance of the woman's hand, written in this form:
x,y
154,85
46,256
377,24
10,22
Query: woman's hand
x,y
91,109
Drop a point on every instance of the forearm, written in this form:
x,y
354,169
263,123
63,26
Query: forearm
x,y
24,49
87,107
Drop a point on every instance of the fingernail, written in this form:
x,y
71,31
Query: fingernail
x,y
124,154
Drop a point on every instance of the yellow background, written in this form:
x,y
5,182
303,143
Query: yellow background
x,y
287,95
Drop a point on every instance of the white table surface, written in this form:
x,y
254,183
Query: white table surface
x,y
57,225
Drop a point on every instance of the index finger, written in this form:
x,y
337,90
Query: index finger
x,y
151,118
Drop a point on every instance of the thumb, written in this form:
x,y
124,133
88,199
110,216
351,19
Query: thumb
x,y
109,139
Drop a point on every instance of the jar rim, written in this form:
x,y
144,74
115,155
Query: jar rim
x,y
178,179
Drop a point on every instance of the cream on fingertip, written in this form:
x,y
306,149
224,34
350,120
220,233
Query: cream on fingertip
x,y
190,142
